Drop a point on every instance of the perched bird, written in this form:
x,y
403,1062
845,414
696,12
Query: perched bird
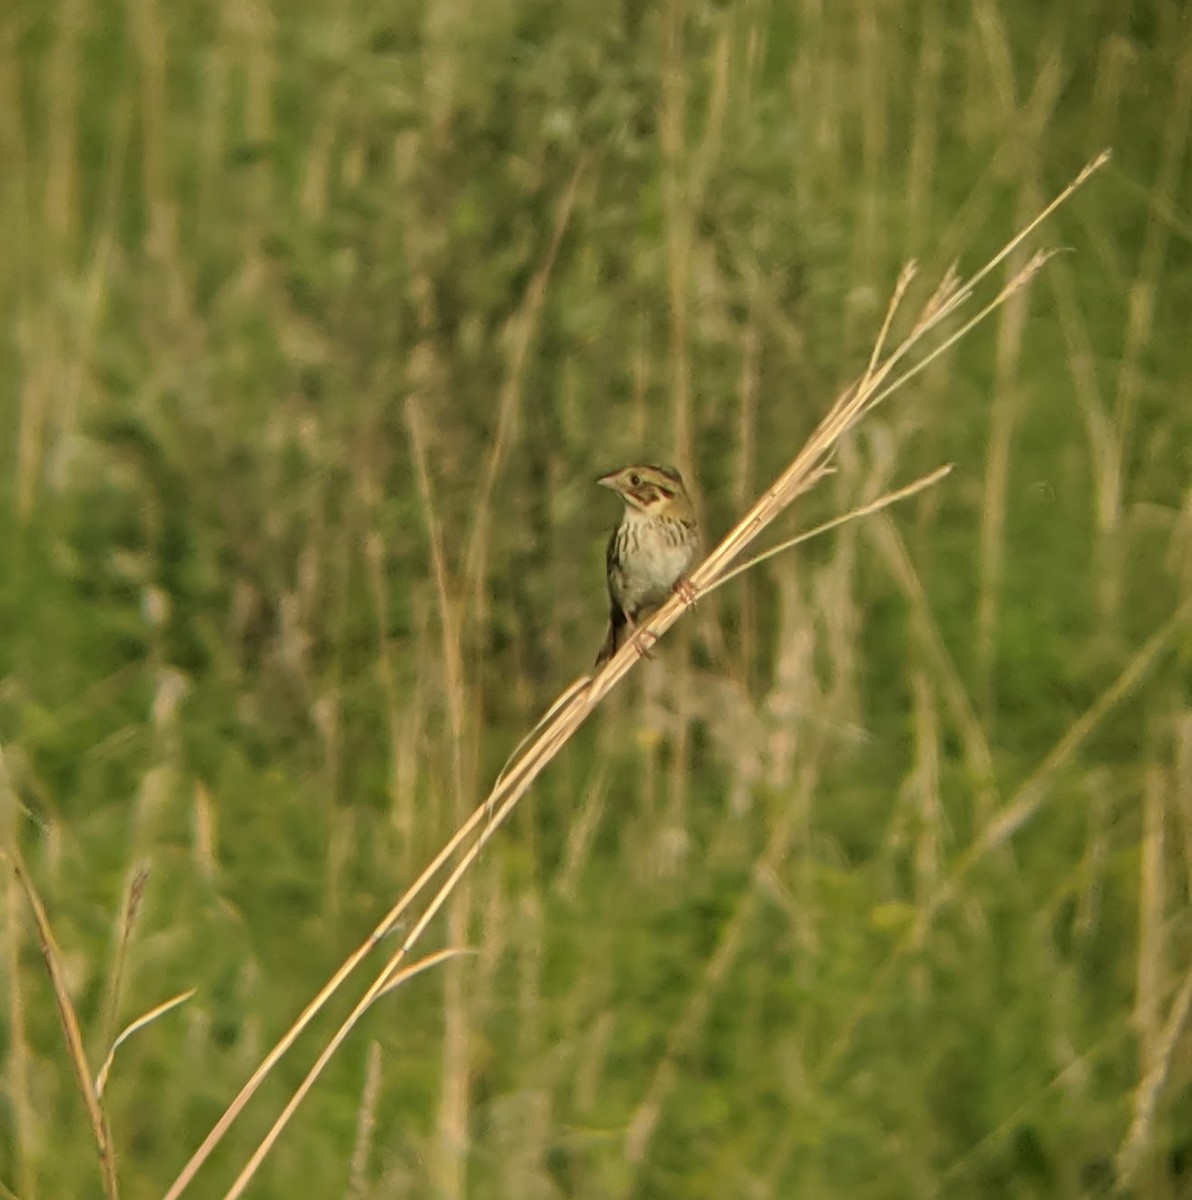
x,y
649,551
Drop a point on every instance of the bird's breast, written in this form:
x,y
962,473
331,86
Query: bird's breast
x,y
660,551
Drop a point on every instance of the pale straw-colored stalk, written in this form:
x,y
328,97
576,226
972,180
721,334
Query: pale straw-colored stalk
x,y
883,375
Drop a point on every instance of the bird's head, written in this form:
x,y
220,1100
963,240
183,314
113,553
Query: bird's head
x,y
649,489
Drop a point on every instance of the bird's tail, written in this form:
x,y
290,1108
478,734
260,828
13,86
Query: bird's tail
x,y
618,624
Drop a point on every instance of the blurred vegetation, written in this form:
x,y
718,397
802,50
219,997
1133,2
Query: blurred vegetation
x,y
874,882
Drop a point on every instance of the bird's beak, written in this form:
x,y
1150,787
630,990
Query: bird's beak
x,y
609,480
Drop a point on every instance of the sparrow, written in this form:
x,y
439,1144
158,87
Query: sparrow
x,y
649,551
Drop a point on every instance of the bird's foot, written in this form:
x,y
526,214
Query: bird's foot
x,y
644,641
686,592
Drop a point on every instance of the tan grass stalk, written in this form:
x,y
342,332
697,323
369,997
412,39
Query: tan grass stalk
x,y
883,501
1140,322
390,978
1156,1044
924,798
1152,968
133,894
387,922
1182,792
453,1095
366,1124
879,381
70,1027
1138,1140
582,833
746,463
17,1080
145,1019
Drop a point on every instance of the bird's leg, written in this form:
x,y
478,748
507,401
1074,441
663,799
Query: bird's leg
x,y
644,642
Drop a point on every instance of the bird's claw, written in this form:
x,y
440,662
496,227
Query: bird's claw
x,y
644,641
686,592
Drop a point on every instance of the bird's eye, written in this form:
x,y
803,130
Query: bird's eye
x,y
634,479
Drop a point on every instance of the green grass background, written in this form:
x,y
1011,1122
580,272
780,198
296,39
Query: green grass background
x,y
318,322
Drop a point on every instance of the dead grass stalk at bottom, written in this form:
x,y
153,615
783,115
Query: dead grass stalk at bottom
x,y
70,1028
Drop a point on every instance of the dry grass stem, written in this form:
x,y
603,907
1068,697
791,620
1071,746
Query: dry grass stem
x,y
18,1076
70,1028
146,1018
1139,1138
366,1123
308,1014
582,698
865,510
390,978
1020,280
128,916
905,278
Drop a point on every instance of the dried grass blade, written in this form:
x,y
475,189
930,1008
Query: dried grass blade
x,y
387,981
70,1027
102,1078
